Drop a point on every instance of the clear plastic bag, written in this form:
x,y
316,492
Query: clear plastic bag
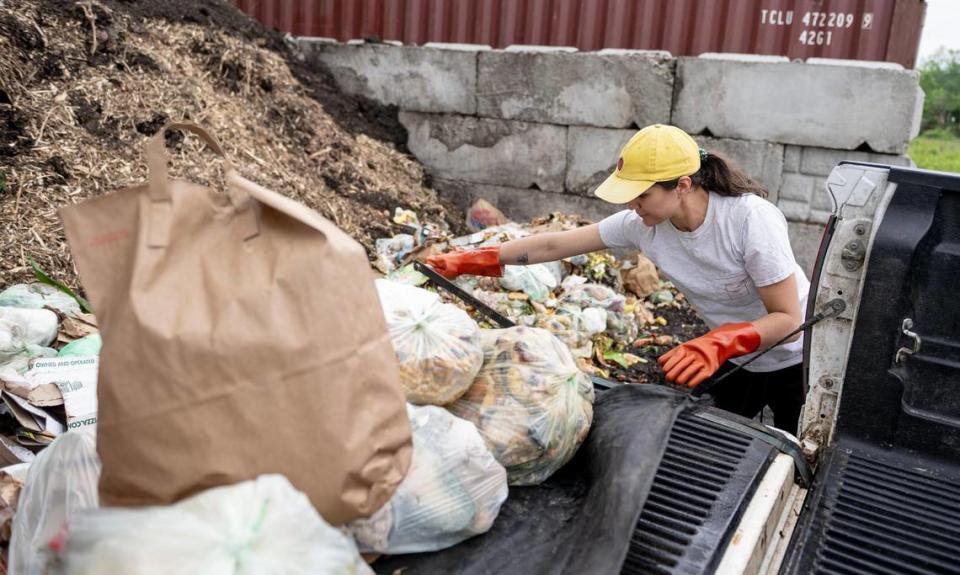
x,y
453,491
38,296
567,324
22,327
61,482
621,326
437,344
249,528
537,280
530,402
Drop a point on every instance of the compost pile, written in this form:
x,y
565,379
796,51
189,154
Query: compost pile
x,y
84,84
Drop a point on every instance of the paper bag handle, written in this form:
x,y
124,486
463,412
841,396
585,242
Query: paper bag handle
x,y
161,208
157,157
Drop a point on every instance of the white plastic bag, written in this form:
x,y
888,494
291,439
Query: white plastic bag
x,y
437,344
61,482
38,296
453,491
21,327
530,402
621,326
250,528
537,281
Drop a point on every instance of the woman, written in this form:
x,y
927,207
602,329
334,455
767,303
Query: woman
x,y
707,227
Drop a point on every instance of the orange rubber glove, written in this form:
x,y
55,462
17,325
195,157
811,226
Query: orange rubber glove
x,y
479,262
694,361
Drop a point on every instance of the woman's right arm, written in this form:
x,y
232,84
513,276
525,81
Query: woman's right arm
x,y
551,246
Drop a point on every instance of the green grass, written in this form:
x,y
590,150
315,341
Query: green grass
x,y
936,150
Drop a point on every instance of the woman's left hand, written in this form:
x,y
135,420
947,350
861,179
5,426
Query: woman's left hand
x,y
692,362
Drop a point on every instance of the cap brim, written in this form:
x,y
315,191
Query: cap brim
x,y
618,190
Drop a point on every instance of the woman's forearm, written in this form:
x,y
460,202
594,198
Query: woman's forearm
x,y
774,326
534,249
551,246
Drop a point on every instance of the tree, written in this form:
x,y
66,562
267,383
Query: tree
x,y
940,80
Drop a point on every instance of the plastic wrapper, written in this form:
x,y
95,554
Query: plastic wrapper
x,y
453,491
537,281
530,402
437,344
249,528
38,296
23,327
87,345
61,482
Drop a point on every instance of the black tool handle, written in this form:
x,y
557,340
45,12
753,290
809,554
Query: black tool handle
x,y
451,287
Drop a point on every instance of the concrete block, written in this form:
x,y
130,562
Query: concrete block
x,y
762,161
794,103
458,46
603,90
591,156
736,57
793,210
633,52
523,204
818,216
501,152
862,63
821,161
805,241
821,200
791,158
796,187
540,48
413,78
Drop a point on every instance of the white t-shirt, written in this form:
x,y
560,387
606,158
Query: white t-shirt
x,y
741,245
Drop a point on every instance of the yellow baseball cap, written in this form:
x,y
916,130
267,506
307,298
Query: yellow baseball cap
x,y
657,153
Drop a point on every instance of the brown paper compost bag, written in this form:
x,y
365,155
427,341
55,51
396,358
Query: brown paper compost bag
x,y
242,335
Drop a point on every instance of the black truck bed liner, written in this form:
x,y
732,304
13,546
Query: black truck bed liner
x,y
705,480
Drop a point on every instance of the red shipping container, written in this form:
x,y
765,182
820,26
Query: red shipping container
x,y
853,29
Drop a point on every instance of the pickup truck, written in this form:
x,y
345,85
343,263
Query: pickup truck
x,y
869,482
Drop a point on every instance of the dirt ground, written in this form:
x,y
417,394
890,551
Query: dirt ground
x,y
83,84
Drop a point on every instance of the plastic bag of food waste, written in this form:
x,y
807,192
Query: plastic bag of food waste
x,y
391,251
621,326
572,281
437,344
500,302
21,327
248,528
452,492
530,402
595,320
61,482
38,296
482,214
537,281
567,325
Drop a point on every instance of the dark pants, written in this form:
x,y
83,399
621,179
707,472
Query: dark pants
x,y
746,393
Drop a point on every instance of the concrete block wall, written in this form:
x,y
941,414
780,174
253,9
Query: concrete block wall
x,y
536,129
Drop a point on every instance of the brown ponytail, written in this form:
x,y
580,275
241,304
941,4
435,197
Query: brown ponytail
x,y
720,175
